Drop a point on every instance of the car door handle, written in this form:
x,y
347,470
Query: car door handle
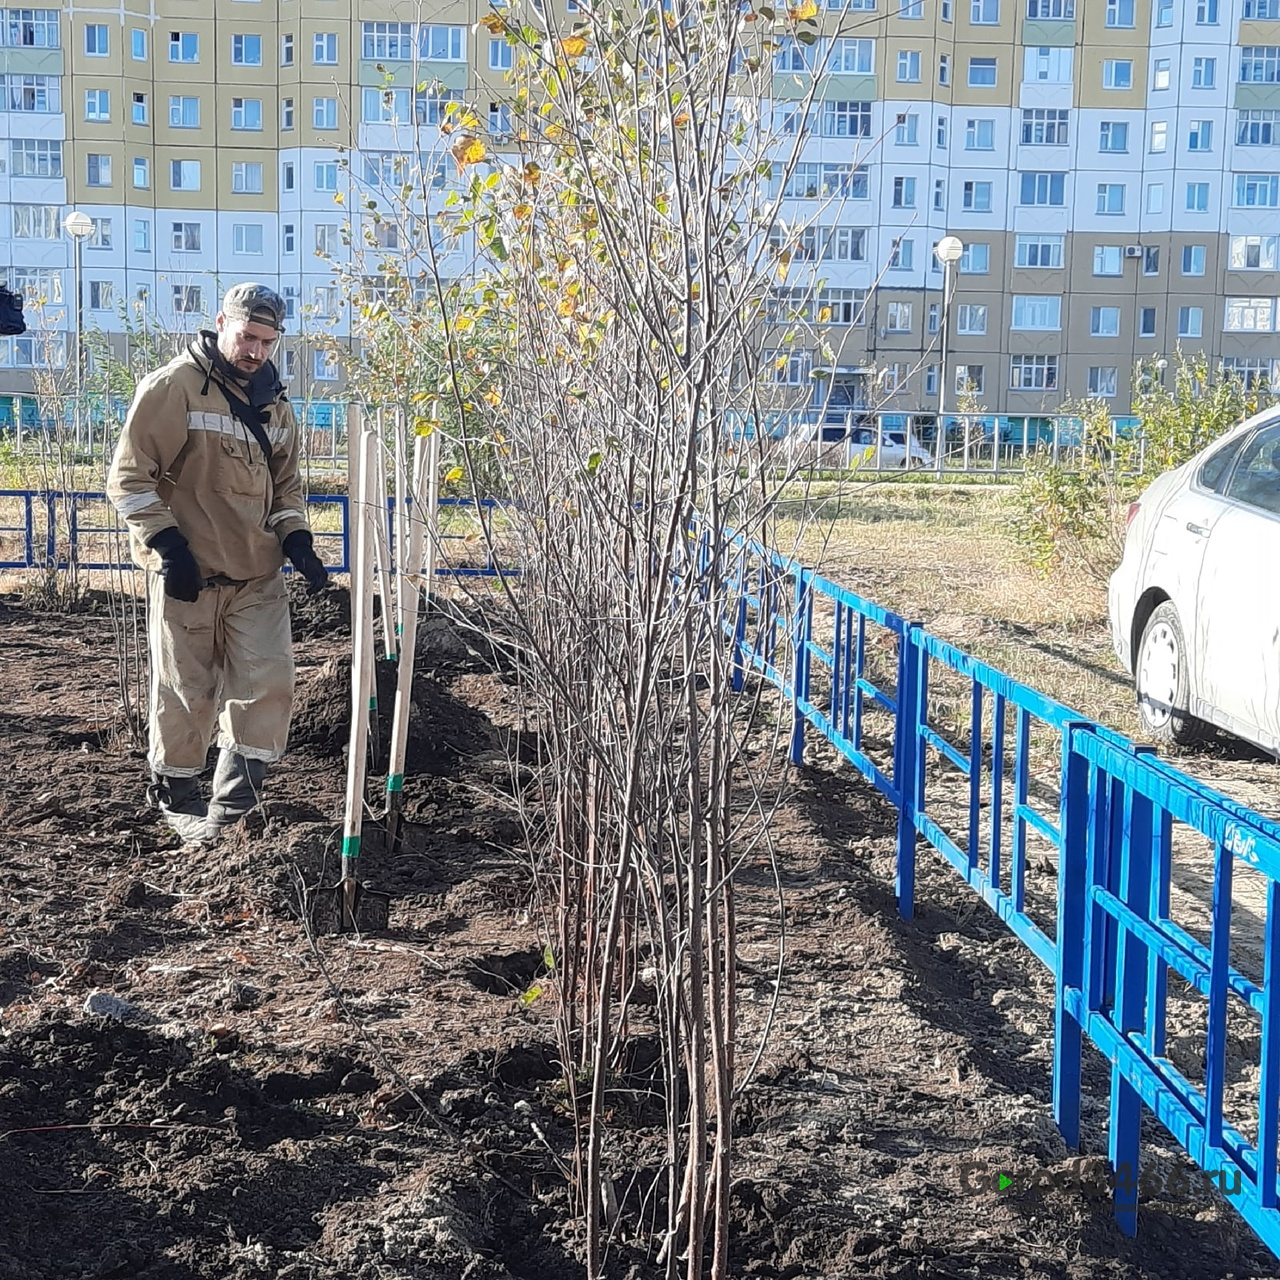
x,y
1200,530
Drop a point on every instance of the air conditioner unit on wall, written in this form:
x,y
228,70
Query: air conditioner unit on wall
x,y
1133,251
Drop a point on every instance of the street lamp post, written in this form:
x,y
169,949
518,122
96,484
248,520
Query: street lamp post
x,y
948,251
78,226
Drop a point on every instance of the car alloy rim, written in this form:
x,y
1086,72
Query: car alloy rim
x,y
1158,675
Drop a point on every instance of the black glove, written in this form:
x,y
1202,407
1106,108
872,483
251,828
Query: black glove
x,y
300,548
178,568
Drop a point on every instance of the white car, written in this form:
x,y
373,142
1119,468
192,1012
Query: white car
x,y
1194,608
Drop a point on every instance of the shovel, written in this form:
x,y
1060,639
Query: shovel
x,y
351,904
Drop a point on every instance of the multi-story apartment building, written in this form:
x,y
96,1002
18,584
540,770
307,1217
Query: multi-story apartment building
x,y
1111,166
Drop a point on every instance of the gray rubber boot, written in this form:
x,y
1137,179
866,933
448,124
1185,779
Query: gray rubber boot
x,y
182,807
237,789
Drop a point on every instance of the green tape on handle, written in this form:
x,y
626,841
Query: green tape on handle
x,y
395,782
373,704
351,846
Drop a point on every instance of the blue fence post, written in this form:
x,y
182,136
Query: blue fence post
x,y
50,531
739,583
907,762
1269,1064
1075,819
802,630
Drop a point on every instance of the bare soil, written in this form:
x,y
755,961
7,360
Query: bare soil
x,y
194,1088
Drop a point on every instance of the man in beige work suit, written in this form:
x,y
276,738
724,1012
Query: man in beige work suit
x,y
206,476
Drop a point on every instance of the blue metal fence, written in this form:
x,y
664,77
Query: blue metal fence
x,y
56,529
862,676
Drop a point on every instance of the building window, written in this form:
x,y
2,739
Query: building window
x,y
1254,372
98,170
97,104
1117,73
1204,73
1113,136
500,120
1048,64
246,51
906,132
100,236
975,260
38,94
970,379
1250,315
1108,260
184,175
940,133
246,113
288,238
940,194
1193,258
246,237
441,44
186,237
846,120
141,172
102,295
184,113
1119,13
1197,197
187,300
1058,9
1206,13
184,46
1039,251
1102,380
37,222
501,55
326,175
1257,191
138,112
784,367
843,306
324,113
1044,127
1037,311
904,193
908,66
287,176
1161,74
141,235
286,113
1159,137
982,73
286,50
944,69
1267,9
1260,64
971,318
852,57
1147,322
980,135
138,44
1155,197
35,158
1257,128
1253,253
390,42
1042,188
1151,260
984,12
1164,13
325,49
96,43
811,181
1200,136
976,197
897,317
1110,197
246,177
1190,322
902,255
1033,373
324,366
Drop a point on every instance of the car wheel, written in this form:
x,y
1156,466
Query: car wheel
x,y
1163,682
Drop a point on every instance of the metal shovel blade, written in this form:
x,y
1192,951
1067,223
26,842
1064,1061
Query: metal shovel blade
x,y
350,906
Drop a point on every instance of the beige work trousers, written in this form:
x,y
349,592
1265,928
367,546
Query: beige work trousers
x,y
224,660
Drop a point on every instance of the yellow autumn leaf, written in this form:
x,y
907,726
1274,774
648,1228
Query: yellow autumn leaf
x,y
803,12
681,119
493,23
566,307
453,475
523,211
466,152
824,315
492,397
573,46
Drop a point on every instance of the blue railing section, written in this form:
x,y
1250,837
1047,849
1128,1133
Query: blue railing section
x,y
57,529
1098,917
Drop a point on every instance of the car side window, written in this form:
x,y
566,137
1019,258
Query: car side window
x,y
1217,468
1256,477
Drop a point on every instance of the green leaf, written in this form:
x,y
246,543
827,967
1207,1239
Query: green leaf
x,y
529,996
594,459
548,958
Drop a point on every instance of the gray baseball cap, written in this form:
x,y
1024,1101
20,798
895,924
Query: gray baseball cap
x,y
256,302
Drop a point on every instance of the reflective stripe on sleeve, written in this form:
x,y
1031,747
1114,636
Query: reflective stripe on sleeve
x,y
133,503
284,514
